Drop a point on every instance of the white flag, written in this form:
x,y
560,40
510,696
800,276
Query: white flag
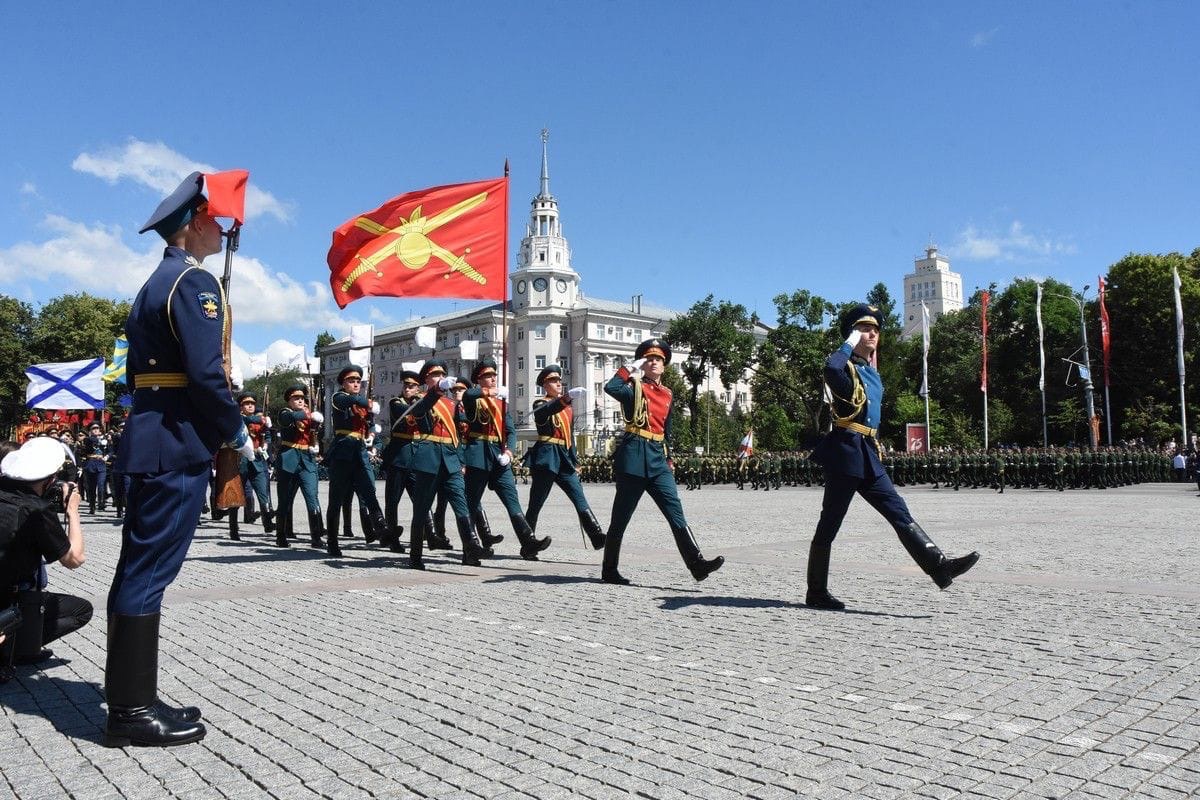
x,y
412,366
363,359
1178,324
362,335
924,392
1041,348
469,350
66,385
426,337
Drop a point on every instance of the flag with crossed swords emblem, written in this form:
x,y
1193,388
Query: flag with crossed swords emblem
x,y
447,241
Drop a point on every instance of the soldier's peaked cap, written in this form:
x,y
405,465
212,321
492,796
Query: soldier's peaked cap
x,y
861,313
409,375
654,347
243,396
294,389
178,208
484,367
430,365
348,370
551,371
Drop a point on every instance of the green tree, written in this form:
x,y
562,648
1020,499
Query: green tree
x,y
77,326
323,338
16,333
717,336
269,388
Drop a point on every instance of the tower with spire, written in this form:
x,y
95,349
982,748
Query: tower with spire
x,y
544,277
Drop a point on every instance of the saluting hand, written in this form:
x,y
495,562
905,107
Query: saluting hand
x,y
854,338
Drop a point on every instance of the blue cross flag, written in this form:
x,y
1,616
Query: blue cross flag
x,y
69,385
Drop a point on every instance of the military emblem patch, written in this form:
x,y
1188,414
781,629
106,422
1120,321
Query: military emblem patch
x,y
209,304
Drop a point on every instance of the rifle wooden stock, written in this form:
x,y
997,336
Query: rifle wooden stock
x,y
229,491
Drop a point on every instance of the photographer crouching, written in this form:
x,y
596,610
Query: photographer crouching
x,y
31,535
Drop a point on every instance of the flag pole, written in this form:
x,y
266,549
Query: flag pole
x,y
1179,358
1042,369
504,302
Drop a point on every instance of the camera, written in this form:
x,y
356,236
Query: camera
x,y
10,619
56,495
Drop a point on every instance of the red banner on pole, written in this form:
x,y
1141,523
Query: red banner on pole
x,y
447,241
1104,330
983,383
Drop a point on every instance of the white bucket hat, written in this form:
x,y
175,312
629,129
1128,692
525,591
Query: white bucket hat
x,y
38,458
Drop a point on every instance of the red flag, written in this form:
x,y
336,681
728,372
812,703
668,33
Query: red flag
x,y
447,241
985,296
1104,330
227,193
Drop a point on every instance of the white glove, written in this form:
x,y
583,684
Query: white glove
x,y
446,383
504,459
262,451
314,449
266,422
369,440
500,393
374,406
853,338
376,428
317,417
577,392
636,364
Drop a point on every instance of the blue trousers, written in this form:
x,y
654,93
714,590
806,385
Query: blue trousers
x,y
161,512
259,483
500,480
876,490
543,481
661,488
96,481
305,482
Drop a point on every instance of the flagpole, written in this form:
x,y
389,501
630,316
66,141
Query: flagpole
x,y
983,384
504,302
1042,368
1179,358
925,371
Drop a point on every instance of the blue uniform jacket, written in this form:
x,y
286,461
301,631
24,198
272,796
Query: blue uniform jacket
x,y
844,452
556,458
481,453
175,327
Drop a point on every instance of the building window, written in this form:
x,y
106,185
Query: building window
x,y
520,390
565,363
538,391
539,362
520,334
562,331
599,331
539,331
620,334
618,362
599,362
520,363
617,418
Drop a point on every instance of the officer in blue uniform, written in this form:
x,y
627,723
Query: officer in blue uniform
x,y
849,454
642,462
183,411
97,449
491,441
298,428
552,458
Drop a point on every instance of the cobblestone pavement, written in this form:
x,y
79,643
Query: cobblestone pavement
x,y
1065,665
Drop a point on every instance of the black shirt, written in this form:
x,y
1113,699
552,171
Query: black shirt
x,y
30,530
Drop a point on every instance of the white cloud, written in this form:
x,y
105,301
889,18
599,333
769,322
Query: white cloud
x,y
160,168
29,188
983,38
280,352
1013,244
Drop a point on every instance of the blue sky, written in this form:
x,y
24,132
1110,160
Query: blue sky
x,y
742,149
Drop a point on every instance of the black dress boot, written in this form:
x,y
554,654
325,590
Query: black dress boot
x,y
269,521
484,528
530,544
435,533
697,564
415,544
331,534
233,526
591,528
473,549
347,528
316,529
283,528
370,530
818,595
135,715
384,533
930,558
396,542
612,555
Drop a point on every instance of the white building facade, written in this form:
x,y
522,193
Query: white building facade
x,y
549,321
933,283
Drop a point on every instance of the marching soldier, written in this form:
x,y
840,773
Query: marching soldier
x,y
298,428
642,462
254,470
97,450
850,455
491,442
397,454
349,472
435,461
553,459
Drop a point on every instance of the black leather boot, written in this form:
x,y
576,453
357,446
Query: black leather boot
x,y
283,528
383,532
591,528
930,558
818,595
331,534
316,529
370,530
435,533
415,544
269,521
612,555
347,528
135,715
233,526
530,544
484,528
697,564
396,542
473,549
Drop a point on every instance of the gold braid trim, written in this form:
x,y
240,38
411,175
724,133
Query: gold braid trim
x,y
857,401
641,412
